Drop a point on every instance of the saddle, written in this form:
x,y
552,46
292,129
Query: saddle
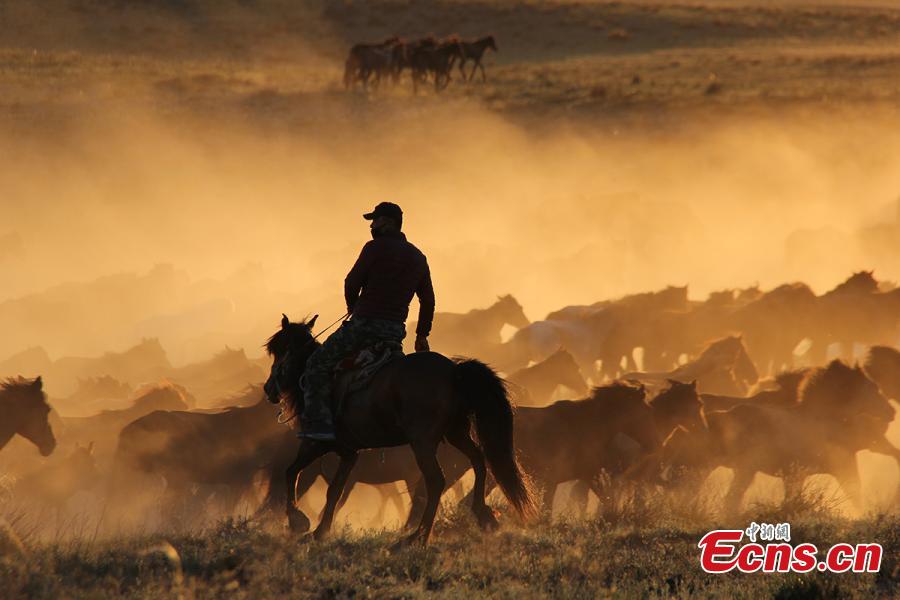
x,y
357,371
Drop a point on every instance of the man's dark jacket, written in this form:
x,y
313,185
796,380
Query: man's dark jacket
x,y
381,284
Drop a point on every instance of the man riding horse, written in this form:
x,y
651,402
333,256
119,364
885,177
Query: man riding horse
x,y
378,290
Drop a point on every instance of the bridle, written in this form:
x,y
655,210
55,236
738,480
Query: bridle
x,y
278,370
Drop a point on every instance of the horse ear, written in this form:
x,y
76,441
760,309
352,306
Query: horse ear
x,y
38,383
694,385
312,322
284,321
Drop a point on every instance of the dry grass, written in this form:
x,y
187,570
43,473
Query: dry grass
x,y
566,558
252,59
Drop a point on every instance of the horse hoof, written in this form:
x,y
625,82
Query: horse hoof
x,y
488,521
298,523
319,534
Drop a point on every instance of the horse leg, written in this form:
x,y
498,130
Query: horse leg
x,y
742,480
844,469
345,495
483,75
308,452
883,446
418,499
463,442
426,458
335,491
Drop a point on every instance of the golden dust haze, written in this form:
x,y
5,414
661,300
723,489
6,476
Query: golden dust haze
x,y
187,170
557,217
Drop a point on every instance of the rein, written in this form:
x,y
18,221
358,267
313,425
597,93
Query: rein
x,y
343,318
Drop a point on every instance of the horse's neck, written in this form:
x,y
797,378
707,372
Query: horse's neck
x,y
10,425
481,45
11,420
495,316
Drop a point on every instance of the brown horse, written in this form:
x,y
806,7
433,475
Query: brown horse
x,y
380,468
53,485
782,391
539,381
577,440
435,59
476,331
474,51
221,450
723,367
840,411
25,411
882,364
419,400
366,60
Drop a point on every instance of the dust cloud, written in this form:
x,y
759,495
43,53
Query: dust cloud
x,y
143,224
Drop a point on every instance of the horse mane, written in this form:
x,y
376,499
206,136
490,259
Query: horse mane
x,y
710,345
860,282
618,387
279,340
12,385
882,356
786,292
821,383
791,380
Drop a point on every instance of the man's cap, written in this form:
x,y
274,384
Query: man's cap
x,y
385,209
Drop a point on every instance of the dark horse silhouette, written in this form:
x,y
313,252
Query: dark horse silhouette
x,y
419,400
25,410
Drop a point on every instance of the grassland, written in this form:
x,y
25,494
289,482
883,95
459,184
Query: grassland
x,y
566,60
572,559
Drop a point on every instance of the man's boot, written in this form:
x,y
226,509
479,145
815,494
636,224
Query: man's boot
x,y
318,427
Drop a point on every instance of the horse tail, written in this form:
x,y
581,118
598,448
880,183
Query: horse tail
x,y
486,396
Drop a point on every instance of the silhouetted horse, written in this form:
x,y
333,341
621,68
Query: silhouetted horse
x,y
187,449
366,60
419,400
539,381
882,364
781,392
474,332
606,432
102,429
381,467
25,411
53,485
474,51
435,60
723,367
840,411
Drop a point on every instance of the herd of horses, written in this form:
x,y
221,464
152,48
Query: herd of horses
x,y
427,59
651,411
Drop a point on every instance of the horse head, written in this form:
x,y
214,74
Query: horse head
x,y
82,466
289,348
679,405
512,311
32,412
568,372
838,391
